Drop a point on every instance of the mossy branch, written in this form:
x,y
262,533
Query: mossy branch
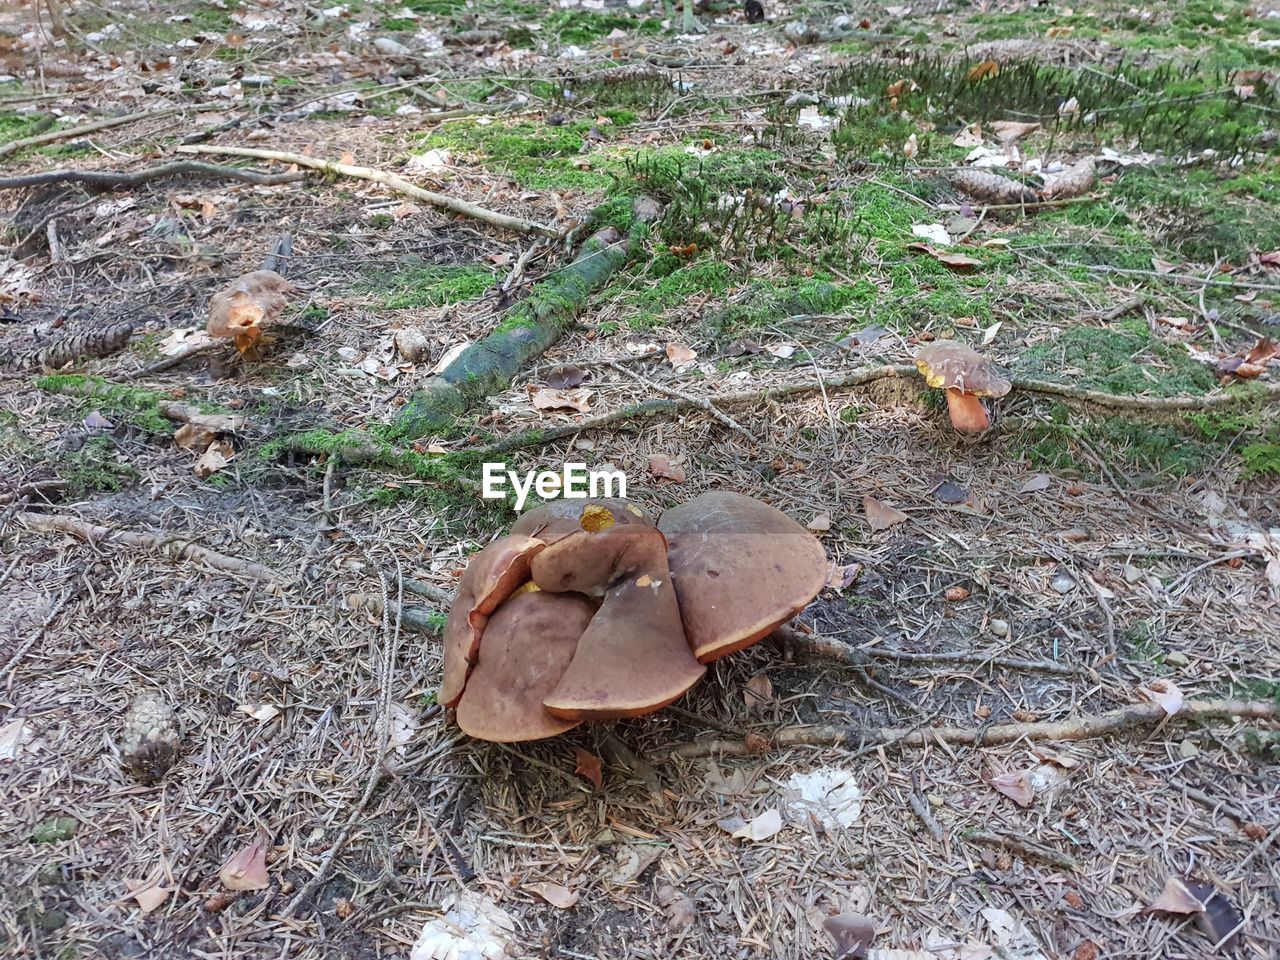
x,y
531,327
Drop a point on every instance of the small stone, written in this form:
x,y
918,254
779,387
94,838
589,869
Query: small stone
x,y
1188,750
1177,659
1131,573
257,80
391,47
229,660
999,628
348,354
1063,583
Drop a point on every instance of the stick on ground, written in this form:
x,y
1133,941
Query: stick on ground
x,y
109,179
175,547
398,184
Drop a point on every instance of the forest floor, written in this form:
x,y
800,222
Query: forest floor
x,y
1120,532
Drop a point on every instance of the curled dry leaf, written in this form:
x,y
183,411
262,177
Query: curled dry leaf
x,y
193,436
149,895
1015,785
852,933
820,523
260,711
1010,131
246,869
547,398
881,516
1181,896
841,576
554,894
1165,693
680,355
216,456
911,147
664,469
565,377
588,766
761,828
980,71
954,261
758,693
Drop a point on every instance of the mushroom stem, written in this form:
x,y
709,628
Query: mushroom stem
x,y
968,415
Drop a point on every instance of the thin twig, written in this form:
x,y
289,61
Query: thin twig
x,y
1023,848
700,403
35,637
399,185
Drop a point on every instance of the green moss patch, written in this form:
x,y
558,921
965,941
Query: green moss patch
x,y
429,286
1119,360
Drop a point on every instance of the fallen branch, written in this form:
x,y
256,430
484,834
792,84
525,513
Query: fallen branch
x,y
173,547
1023,848
831,648
399,185
175,360
531,326
1180,278
110,179
1143,716
706,406
106,123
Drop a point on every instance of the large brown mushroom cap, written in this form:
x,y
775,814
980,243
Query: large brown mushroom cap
x,y
966,375
740,567
491,576
528,644
633,657
558,518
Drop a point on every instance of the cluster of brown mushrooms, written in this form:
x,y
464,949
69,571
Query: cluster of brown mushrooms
x,y
587,610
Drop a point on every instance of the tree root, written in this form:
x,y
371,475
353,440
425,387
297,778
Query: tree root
x,y
171,546
110,179
399,185
1143,716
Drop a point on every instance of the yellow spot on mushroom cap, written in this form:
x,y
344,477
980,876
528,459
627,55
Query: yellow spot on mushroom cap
x,y
596,518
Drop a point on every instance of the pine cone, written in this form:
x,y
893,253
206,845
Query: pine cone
x,y
151,740
64,350
1075,181
992,188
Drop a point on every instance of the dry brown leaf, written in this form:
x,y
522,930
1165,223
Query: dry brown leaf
x,y
246,869
1040,481
680,355
1164,692
1010,131
547,398
899,87
987,68
554,894
758,693
664,469
881,516
820,523
852,933
841,576
246,306
194,436
911,147
1015,786
588,766
149,895
216,456
1263,351
956,594
565,377
1176,897
956,261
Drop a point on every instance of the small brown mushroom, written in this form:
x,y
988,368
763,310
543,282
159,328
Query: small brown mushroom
x,y
491,576
966,375
740,567
633,657
528,644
